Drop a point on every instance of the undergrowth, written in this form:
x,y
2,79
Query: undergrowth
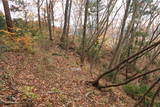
x,y
137,91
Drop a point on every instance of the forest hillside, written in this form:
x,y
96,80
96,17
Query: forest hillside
x,y
79,53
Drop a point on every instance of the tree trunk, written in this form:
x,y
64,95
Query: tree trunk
x,y
121,37
7,16
52,14
97,15
84,32
39,4
63,37
39,17
67,33
49,18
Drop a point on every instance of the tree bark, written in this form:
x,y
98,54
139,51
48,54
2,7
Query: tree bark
x,y
49,19
39,4
39,17
63,37
67,33
52,14
121,37
84,32
97,15
7,16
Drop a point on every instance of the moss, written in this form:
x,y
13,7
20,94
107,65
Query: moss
x,y
28,92
55,90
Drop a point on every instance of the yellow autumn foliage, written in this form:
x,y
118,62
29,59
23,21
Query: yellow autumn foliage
x,y
7,33
16,42
25,42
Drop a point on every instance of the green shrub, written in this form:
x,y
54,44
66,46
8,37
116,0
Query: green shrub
x,y
148,101
131,90
35,32
19,22
110,76
2,22
141,34
94,52
24,29
157,104
136,91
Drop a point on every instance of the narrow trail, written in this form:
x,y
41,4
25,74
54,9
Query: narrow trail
x,y
58,80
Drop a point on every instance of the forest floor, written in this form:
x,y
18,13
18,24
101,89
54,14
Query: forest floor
x,y
52,77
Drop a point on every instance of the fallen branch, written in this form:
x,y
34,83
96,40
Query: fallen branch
x,y
8,102
122,64
130,80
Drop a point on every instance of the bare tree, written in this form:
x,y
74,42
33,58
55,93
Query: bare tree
x,y
121,37
39,3
52,14
77,17
64,37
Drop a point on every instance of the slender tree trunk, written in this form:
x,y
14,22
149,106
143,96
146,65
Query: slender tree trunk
x,y
49,19
64,34
84,32
39,4
121,37
52,13
67,33
97,15
7,16
25,16
44,16
39,18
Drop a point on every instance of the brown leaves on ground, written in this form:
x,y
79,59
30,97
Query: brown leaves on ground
x,y
54,78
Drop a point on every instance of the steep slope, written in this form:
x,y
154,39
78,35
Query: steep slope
x,y
53,77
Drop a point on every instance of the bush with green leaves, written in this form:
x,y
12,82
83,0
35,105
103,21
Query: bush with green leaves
x,y
22,28
2,22
110,76
93,51
137,91
19,22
